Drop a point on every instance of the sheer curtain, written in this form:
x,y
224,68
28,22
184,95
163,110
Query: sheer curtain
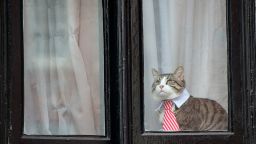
x,y
191,33
63,70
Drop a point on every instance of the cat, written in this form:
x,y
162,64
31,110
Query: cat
x,y
192,114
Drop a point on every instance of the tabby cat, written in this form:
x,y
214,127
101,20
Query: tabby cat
x,y
193,114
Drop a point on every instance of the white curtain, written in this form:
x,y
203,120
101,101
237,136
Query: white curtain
x,y
191,33
63,70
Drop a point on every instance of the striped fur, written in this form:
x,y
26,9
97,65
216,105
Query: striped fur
x,y
199,114
196,114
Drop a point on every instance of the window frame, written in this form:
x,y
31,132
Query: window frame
x,y
241,66
3,76
13,79
124,39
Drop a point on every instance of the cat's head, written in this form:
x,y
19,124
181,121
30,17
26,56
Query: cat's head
x,y
168,86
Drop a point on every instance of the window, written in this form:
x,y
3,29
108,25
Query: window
x,y
185,65
63,68
141,40
123,35
50,68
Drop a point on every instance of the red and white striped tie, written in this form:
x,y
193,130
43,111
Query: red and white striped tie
x,y
169,121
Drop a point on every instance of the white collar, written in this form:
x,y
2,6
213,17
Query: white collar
x,y
179,101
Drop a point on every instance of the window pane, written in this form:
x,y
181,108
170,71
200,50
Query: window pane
x,y
185,65
64,67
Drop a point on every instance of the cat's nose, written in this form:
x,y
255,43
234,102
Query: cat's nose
x,y
161,86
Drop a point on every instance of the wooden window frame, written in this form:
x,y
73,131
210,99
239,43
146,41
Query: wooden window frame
x,y
241,79
124,38
4,119
12,79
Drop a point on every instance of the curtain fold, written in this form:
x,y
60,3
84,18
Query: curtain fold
x,y
60,80
191,33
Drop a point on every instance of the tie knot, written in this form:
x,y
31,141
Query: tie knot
x,y
168,105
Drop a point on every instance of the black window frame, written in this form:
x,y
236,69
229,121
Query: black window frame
x,y
241,77
4,115
123,36
12,91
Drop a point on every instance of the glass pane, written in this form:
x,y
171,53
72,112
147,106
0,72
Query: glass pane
x,y
185,65
64,67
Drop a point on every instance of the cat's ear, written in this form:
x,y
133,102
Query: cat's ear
x,y
155,73
179,73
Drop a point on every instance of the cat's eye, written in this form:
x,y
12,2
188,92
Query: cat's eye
x,y
171,81
158,80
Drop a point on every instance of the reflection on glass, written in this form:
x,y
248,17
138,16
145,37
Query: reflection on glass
x,y
185,65
63,70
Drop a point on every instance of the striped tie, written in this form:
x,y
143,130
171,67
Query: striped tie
x,y
169,121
